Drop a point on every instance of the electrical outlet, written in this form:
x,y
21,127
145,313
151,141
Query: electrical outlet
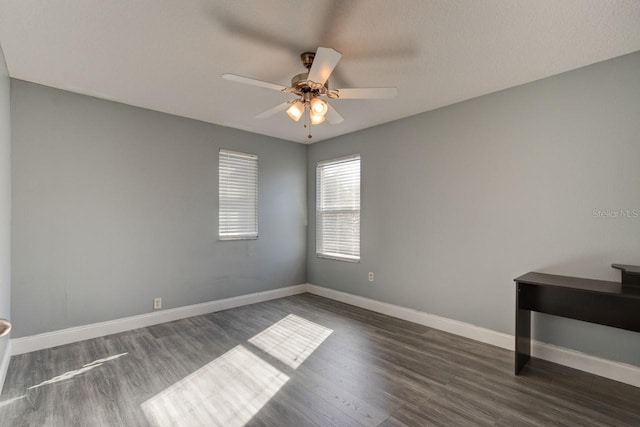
x,y
157,303
371,276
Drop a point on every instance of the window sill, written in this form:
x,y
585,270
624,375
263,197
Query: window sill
x,y
231,239
338,258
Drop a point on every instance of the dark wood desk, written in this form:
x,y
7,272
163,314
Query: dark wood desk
x,y
595,301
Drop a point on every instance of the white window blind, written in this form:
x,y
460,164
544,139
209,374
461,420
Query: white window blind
x,y
238,195
338,208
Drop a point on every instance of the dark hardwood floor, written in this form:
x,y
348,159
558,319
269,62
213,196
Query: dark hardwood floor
x,y
300,361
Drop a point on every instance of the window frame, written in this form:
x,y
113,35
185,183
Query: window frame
x,y
321,252
250,235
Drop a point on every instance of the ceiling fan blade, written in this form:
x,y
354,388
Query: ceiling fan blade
x,y
324,62
368,93
270,112
254,82
239,29
333,116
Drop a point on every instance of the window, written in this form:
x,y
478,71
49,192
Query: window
x,y
238,183
338,208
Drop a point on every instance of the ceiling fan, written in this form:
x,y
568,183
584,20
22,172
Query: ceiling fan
x,y
311,87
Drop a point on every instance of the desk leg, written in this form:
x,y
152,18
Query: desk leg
x,y
523,334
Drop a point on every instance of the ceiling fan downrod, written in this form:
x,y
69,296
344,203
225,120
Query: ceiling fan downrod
x,y
307,59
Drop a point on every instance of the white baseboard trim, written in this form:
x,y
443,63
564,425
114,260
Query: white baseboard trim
x,y
456,327
4,364
618,371
95,330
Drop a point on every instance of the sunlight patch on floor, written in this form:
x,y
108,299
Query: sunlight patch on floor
x,y
228,391
106,359
291,340
76,372
10,401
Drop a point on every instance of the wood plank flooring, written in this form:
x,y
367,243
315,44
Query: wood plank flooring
x,y
349,367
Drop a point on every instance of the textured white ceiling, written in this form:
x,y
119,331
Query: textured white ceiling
x,y
168,55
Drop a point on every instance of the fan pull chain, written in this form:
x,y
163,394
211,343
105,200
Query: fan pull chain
x,y
307,119
306,115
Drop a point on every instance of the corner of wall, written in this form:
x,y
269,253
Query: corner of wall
x,y
5,210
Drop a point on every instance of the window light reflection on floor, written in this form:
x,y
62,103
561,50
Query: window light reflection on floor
x,y
76,372
291,340
9,401
228,391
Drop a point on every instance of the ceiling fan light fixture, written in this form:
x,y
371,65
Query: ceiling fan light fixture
x,y
296,110
319,107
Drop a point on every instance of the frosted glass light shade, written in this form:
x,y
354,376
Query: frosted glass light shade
x,y
316,119
296,110
318,107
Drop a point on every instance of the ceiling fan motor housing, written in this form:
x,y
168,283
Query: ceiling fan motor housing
x,y
302,85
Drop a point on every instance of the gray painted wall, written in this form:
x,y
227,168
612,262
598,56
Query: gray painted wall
x,y
5,199
115,205
459,201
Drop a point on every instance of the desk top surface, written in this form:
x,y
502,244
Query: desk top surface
x,y
629,269
579,284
